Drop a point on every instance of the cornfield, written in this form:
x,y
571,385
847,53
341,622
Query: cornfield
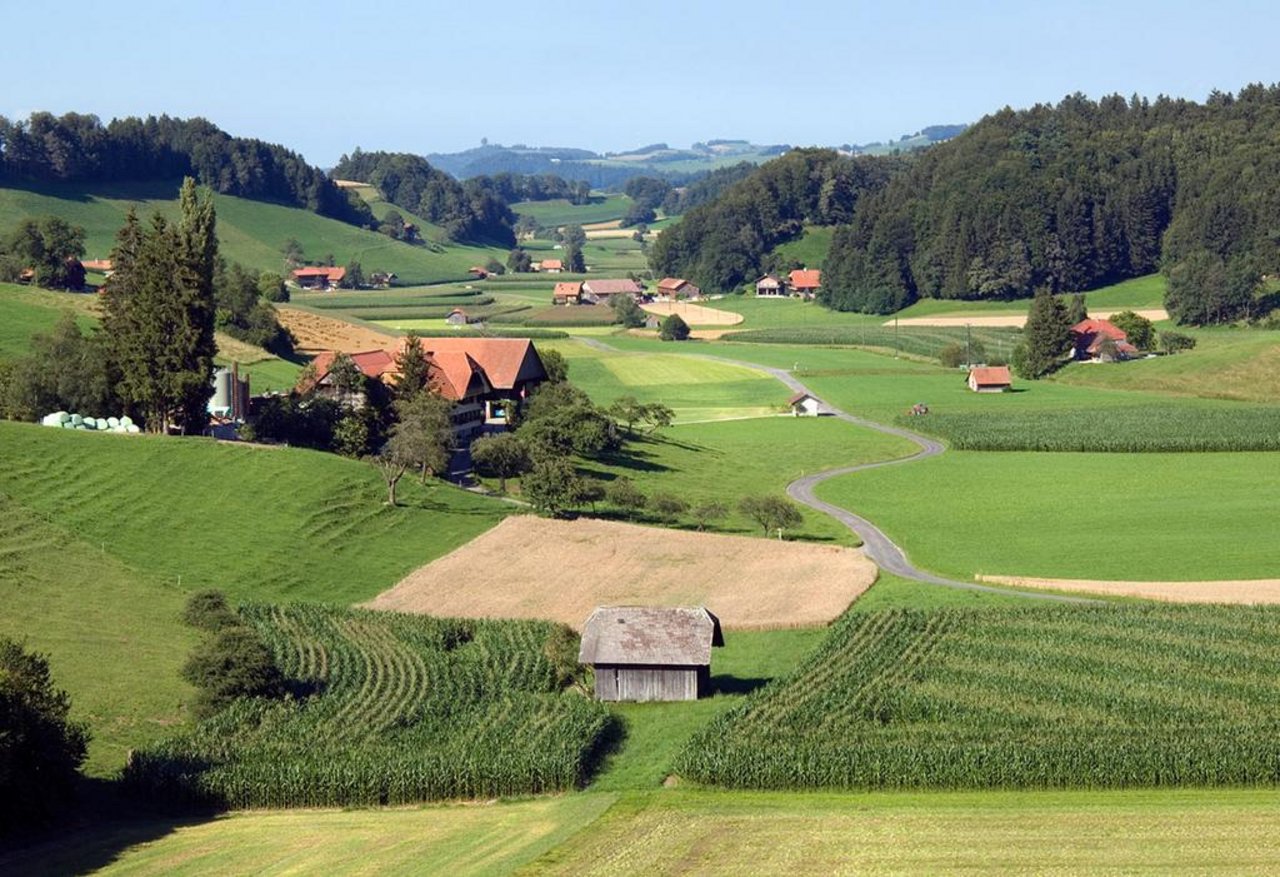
x,y
388,709
1148,428
1025,698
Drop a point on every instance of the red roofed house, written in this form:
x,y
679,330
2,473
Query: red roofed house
x,y
805,283
551,266
1101,341
603,291
990,379
377,365
567,293
511,366
319,277
677,287
102,266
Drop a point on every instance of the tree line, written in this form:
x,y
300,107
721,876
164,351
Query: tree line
x,y
1076,196
726,242
76,147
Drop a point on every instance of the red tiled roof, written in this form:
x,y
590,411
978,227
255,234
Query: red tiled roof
x,y
991,375
505,361
570,289
552,263
456,376
799,396
333,274
1092,326
96,264
612,287
806,278
673,283
377,364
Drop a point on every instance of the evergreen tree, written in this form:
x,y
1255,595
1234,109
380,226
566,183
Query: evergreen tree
x,y
1076,310
413,366
159,314
1046,337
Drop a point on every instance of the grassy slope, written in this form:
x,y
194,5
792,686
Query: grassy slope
x,y
1175,517
262,523
250,232
810,249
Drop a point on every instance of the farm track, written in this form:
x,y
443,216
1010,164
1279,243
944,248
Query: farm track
x,y
875,544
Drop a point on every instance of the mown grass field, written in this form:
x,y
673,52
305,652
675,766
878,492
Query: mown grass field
x,y
810,249
1134,517
559,211
694,388
249,232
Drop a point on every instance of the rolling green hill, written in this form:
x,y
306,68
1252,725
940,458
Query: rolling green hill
x,y
104,536
249,232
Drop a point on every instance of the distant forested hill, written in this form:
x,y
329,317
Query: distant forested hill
x,y
723,243
1075,196
76,148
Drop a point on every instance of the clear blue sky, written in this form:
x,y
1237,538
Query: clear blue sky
x,y
323,77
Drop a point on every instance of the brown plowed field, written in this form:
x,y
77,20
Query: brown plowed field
x,y
529,567
694,315
1247,591
316,332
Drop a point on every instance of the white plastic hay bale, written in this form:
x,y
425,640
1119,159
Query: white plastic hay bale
x,y
126,420
51,420
68,425
63,416
132,428
113,422
90,422
76,420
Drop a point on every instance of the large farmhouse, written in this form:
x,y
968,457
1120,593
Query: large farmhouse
x,y
1101,341
603,291
483,377
647,653
319,277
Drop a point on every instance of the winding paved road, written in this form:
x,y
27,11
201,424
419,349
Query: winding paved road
x,y
879,547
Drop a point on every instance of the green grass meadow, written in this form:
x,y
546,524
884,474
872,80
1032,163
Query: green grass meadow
x,y
557,212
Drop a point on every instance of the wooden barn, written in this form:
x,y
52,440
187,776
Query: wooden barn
x,y
650,653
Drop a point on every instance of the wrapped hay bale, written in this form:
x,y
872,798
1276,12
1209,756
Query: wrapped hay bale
x,y
132,428
76,420
113,422
90,423
126,420
54,419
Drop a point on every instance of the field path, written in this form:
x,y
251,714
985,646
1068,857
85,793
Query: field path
x,y
1013,320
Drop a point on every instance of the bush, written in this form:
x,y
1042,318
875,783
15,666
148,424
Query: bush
x,y
233,663
208,611
957,353
1173,342
673,328
40,748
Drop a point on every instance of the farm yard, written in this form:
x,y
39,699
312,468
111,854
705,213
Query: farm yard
x,y
747,582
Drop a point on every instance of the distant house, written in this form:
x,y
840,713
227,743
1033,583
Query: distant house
x,y
653,321
478,272
649,653
771,286
382,279
551,266
567,293
102,266
990,379
806,405
1101,341
805,283
677,287
457,317
602,291
319,277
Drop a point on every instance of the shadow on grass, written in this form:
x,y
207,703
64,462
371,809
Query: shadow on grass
x,y
96,831
729,684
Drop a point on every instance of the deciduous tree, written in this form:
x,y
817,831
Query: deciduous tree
x,y
772,513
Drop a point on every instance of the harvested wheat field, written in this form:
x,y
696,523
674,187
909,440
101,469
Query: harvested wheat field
x,y
316,332
1010,320
1243,591
694,315
529,567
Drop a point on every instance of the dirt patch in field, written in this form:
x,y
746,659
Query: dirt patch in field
x,y
1246,591
694,315
529,567
1014,320
315,333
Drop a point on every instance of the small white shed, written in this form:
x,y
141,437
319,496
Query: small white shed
x,y
806,405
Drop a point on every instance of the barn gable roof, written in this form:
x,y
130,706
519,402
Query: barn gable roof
x,y
663,635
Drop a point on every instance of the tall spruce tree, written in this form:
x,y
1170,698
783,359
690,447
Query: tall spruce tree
x,y
159,313
1045,338
414,368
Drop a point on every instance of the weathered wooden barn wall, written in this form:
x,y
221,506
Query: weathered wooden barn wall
x,y
649,683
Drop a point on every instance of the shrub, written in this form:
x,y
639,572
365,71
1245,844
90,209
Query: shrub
x,y
233,663
673,328
208,611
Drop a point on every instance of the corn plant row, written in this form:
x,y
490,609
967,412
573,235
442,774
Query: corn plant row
x,y
386,709
1149,428
1117,696
915,340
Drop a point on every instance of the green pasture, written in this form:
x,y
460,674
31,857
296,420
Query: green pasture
x,y
725,461
558,211
27,311
249,232
1142,517
696,389
810,249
